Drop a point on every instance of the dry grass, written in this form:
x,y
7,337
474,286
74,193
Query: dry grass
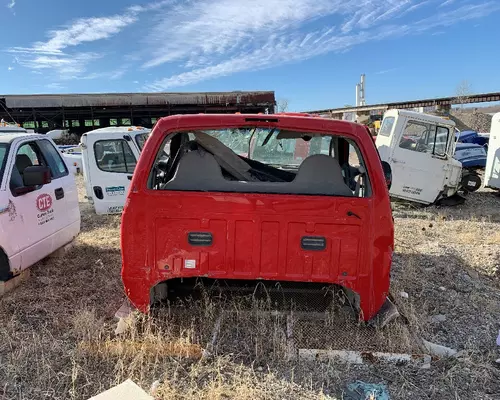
x,y
58,338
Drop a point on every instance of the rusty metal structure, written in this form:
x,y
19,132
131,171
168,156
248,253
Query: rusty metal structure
x,y
443,103
80,113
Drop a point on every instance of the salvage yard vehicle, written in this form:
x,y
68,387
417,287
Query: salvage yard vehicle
x,y
109,157
198,209
420,149
39,210
492,170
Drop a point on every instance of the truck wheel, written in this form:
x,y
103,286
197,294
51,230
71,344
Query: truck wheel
x,y
470,182
5,273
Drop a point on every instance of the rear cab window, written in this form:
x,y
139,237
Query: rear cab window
x,y
261,160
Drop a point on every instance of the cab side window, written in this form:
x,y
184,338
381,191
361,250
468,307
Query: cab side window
x,y
54,160
114,156
425,138
27,155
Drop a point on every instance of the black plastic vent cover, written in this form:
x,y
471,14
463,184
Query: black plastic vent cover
x,y
315,243
200,238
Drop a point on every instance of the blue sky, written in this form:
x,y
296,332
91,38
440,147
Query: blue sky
x,y
311,52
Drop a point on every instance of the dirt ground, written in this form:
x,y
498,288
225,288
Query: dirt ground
x,y
58,341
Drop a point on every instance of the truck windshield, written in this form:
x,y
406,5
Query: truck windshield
x,y
3,158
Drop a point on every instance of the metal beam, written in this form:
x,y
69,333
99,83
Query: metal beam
x,y
476,98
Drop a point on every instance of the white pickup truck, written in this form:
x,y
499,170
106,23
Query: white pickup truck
x,y
109,157
38,201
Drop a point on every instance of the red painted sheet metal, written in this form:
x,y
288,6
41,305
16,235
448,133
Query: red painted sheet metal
x,y
257,236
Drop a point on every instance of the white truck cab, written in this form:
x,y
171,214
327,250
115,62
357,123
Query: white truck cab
x,y
419,148
39,210
109,157
492,170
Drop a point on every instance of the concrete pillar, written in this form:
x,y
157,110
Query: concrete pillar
x,y
443,108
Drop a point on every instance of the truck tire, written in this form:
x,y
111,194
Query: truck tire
x,y
470,182
5,273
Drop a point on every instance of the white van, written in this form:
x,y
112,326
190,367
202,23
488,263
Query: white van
x,y
38,202
109,157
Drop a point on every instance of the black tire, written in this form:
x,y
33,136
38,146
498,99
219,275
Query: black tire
x,y
5,273
470,182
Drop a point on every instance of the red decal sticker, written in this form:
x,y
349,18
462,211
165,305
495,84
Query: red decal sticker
x,y
44,202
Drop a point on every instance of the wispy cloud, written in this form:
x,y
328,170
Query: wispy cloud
x,y
206,39
11,4
233,46
53,53
386,71
55,86
10,68
447,3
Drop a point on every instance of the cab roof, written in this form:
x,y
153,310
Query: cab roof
x,y
118,129
291,121
10,137
421,116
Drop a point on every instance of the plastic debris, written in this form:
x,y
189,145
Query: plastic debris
x,y
127,390
404,295
438,350
437,318
427,362
498,339
154,388
360,390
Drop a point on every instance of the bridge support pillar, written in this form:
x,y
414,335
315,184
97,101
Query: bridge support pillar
x,y
443,108
363,117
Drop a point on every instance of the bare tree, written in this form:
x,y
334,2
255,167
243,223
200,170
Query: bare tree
x,y
463,92
282,105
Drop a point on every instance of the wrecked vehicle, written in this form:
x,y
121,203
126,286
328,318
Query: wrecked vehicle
x,y
196,208
420,149
39,210
109,156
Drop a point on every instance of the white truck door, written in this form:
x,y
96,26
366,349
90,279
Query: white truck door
x,y
419,160
109,160
492,170
39,213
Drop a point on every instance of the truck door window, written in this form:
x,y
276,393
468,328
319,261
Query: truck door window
x,y
114,156
386,127
441,142
423,138
54,160
26,156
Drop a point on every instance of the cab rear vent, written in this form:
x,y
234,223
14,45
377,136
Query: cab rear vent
x,y
314,243
200,238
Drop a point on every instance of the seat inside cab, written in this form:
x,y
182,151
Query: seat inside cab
x,y
274,162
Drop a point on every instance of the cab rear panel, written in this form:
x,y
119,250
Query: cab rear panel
x,y
282,237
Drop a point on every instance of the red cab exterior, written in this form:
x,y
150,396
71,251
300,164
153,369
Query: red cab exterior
x,y
255,235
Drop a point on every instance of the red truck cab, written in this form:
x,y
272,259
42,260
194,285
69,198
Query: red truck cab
x,y
204,203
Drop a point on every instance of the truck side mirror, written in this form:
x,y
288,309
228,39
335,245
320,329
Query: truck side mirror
x,y
36,175
387,174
